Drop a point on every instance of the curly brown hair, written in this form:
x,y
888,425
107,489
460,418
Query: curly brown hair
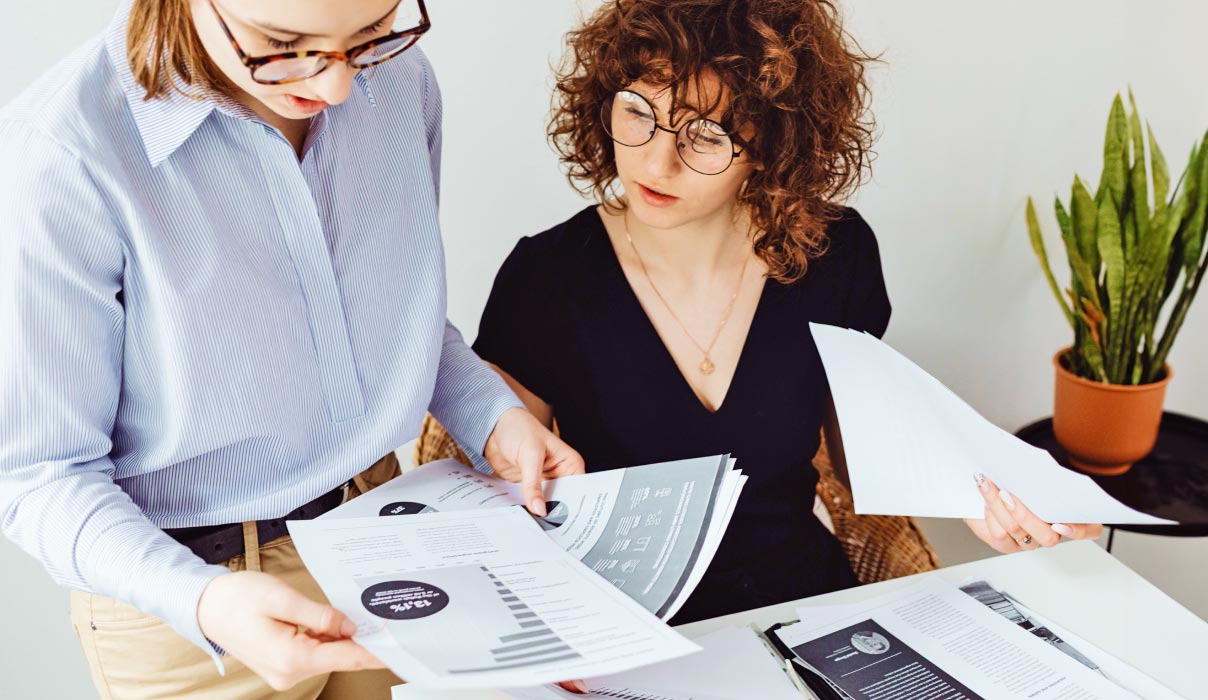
x,y
787,67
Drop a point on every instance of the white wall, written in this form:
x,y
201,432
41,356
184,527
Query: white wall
x,y
980,104
39,655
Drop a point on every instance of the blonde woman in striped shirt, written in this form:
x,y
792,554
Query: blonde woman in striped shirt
x,y
222,294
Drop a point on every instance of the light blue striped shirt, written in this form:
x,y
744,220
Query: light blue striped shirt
x,y
199,328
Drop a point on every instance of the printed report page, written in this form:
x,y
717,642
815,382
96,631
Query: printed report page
x,y
477,599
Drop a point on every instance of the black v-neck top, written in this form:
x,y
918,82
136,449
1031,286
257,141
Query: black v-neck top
x,y
563,320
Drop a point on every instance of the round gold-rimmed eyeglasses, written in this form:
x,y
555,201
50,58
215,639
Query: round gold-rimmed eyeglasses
x,y
702,144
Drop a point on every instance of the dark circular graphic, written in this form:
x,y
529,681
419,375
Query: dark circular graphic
x,y
404,600
405,508
870,642
557,513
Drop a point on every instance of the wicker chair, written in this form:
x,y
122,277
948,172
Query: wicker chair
x,y
879,547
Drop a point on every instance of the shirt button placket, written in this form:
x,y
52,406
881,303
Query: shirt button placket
x,y
303,235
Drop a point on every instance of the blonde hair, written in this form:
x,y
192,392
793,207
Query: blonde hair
x,y
164,50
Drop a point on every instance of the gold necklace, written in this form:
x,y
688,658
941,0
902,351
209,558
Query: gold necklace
x,y
706,366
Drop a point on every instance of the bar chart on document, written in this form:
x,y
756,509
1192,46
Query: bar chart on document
x,y
533,643
508,606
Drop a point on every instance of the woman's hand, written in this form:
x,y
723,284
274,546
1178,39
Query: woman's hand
x,y
521,449
276,631
1010,527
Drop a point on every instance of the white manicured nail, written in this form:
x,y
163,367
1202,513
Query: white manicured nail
x,y
1063,530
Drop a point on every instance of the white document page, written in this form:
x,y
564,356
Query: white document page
x,y
735,664
728,495
478,599
1118,671
913,446
934,636
650,530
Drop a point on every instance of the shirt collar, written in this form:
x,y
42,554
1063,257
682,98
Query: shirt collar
x,y
163,123
166,122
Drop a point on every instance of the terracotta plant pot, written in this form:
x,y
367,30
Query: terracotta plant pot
x,y
1105,428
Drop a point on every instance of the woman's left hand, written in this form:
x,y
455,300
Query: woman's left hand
x,y
1009,526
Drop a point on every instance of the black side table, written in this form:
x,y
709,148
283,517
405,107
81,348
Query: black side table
x,y
1172,482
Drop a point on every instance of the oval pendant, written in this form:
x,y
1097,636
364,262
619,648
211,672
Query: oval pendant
x,y
706,367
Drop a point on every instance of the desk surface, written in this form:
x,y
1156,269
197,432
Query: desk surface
x,y
1076,585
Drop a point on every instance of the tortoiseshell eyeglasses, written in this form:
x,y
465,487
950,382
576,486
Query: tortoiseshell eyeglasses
x,y
295,66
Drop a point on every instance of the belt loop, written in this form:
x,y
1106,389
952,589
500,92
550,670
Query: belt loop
x,y
251,546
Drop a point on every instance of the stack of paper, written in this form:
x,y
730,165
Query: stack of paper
x,y
933,640
468,590
478,599
913,447
650,530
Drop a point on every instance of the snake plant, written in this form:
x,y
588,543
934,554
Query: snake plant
x,y
1130,247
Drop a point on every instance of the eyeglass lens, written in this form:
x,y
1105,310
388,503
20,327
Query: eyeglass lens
x,y
702,144
406,16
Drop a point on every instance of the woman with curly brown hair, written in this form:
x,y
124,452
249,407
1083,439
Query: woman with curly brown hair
x,y
671,320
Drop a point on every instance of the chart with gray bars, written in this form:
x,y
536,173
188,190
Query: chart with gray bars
x,y
533,644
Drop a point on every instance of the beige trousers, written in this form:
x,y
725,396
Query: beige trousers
x,y
135,656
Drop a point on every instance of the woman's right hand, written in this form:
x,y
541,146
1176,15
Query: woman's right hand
x,y
521,449
257,617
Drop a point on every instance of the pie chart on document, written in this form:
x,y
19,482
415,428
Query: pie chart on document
x,y
557,515
405,508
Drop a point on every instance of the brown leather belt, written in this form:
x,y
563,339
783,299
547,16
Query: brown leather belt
x,y
218,543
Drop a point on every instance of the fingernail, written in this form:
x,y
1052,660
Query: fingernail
x,y
537,506
1063,530
980,480
581,687
349,628
1007,499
